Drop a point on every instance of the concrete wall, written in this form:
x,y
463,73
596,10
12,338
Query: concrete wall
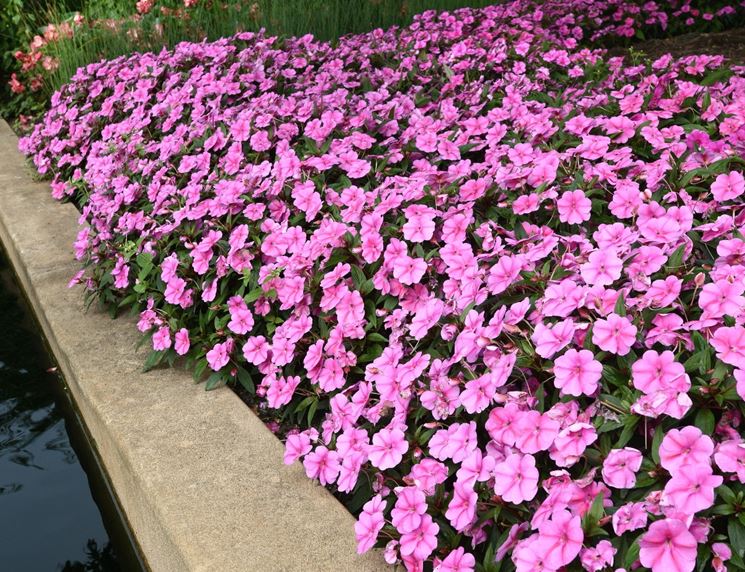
x,y
198,475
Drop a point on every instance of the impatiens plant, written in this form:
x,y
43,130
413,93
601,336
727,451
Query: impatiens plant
x,y
486,282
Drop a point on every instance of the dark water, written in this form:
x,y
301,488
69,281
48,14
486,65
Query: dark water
x,y
56,511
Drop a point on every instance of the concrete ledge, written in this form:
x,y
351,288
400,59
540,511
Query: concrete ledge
x,y
198,475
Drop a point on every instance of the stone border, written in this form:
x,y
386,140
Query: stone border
x,y
199,476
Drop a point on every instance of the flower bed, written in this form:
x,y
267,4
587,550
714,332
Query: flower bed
x,y
487,284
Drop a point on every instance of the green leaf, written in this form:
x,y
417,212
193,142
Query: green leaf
x,y
628,431
676,259
376,337
254,295
152,360
705,421
620,307
312,410
632,554
736,533
246,380
656,440
215,380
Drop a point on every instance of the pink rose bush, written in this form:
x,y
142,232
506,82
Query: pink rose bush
x,y
487,282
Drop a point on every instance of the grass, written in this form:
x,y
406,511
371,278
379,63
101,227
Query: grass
x,y
325,19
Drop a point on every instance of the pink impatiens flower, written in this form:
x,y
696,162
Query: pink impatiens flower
x,y
182,342
457,561
549,340
615,334
631,516
659,372
598,557
684,448
730,458
162,339
692,490
408,270
420,223
462,507
620,467
603,267
729,342
407,513
728,186
668,547
577,373
534,431
574,207
420,542
516,478
387,449
369,524
219,356
322,464
560,538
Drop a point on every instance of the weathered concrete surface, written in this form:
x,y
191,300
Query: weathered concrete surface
x,y
198,475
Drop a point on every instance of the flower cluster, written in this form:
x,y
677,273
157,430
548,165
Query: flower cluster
x,y
487,281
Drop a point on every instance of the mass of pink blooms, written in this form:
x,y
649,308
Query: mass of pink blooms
x,y
487,281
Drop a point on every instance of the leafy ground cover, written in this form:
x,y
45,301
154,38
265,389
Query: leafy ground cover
x,y
486,281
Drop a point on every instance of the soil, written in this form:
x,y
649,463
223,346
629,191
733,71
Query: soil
x,y
730,44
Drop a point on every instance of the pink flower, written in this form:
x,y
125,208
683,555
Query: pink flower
x,y
530,555
728,186
668,547
560,538
421,542
740,385
615,334
620,467
369,524
162,339
462,507
182,342
409,270
457,561
730,458
729,342
219,356
597,558
692,489
297,445
516,478
420,223
659,372
603,267
549,340
685,447
502,424
571,442
322,464
242,320
456,442
534,431
407,513
427,474
574,207
256,350
722,297
631,516
426,317
722,553
388,448
577,373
